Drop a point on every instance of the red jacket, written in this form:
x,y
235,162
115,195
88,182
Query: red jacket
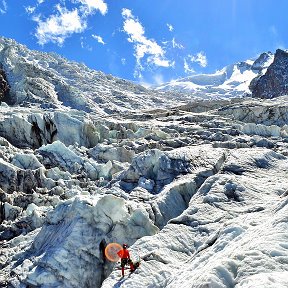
x,y
124,254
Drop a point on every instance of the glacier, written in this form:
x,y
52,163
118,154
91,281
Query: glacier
x,y
196,186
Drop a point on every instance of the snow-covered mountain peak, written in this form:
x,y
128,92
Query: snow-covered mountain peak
x,y
231,81
263,61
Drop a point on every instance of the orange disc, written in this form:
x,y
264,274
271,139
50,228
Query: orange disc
x,y
112,250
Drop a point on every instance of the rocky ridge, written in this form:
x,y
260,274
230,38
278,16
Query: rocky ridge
x,y
274,82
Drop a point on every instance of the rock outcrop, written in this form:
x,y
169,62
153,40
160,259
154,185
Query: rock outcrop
x,y
274,82
4,86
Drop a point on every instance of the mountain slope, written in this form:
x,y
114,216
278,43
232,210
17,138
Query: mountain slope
x,y
51,81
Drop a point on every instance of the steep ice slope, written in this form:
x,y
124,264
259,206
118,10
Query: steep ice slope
x,y
51,81
231,81
233,232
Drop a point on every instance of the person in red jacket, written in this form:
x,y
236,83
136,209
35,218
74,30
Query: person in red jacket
x,y
125,259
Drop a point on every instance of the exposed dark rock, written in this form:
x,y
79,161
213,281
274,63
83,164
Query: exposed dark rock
x,y
1,212
4,87
36,134
274,82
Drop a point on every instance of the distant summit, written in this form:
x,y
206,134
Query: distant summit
x,y
231,81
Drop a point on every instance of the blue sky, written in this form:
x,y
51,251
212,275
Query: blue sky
x,y
149,41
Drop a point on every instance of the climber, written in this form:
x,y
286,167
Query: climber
x,y
125,259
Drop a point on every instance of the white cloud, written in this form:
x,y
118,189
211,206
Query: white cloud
x,y
176,45
170,27
135,30
126,13
123,61
3,7
199,58
90,5
146,48
187,68
63,23
30,9
160,62
99,39
58,27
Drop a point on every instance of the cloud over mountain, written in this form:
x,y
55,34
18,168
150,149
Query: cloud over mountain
x,y
146,51
64,21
